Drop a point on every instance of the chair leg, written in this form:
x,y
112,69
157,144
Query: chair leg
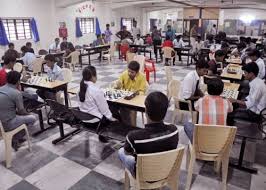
x,y
143,121
225,163
127,181
217,166
173,183
28,139
174,115
190,170
154,76
8,142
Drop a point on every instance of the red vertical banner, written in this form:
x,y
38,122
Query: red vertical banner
x,y
62,30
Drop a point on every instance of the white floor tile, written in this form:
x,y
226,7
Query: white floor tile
x,y
8,178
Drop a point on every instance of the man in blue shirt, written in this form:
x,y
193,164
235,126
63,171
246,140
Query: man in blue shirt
x,y
170,33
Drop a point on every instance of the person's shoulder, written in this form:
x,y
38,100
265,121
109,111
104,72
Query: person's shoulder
x,y
136,134
171,127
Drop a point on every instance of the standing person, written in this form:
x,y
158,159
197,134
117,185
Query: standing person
x,y
135,30
12,111
28,57
155,137
9,62
55,47
170,33
29,46
157,41
108,33
213,30
123,34
193,35
255,56
168,43
11,49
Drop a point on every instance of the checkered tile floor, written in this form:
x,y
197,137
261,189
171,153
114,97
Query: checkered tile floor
x,y
82,162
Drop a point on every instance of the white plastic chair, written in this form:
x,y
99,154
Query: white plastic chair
x,y
18,67
8,136
74,59
169,53
37,66
141,60
110,53
67,73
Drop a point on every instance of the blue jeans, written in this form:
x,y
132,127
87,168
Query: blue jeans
x,y
189,129
128,161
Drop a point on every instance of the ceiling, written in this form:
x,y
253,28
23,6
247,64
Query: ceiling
x,y
164,4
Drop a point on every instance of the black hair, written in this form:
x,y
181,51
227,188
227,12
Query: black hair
x,y
10,45
251,68
64,38
13,77
138,35
224,45
254,52
56,39
156,105
87,74
107,25
215,87
202,64
214,25
134,65
241,45
28,44
219,53
24,49
248,40
98,35
103,34
49,57
10,57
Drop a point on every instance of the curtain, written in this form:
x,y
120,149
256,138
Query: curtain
x,y
98,29
34,30
3,36
78,29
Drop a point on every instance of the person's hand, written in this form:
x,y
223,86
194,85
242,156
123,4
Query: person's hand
x,y
232,100
113,119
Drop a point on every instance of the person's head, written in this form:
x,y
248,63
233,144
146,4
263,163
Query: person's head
x,y
169,27
214,26
177,37
202,67
124,28
88,74
57,40
198,38
148,35
155,27
219,55
209,38
138,36
64,39
241,46
225,46
133,69
98,36
11,46
215,87
13,77
156,104
167,37
248,40
135,23
49,60
251,71
10,59
242,39
254,54
28,45
24,49
107,26
103,35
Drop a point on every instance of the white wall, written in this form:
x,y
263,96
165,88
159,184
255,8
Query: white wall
x,y
41,10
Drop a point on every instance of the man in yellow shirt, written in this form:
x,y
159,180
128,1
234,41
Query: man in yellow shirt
x,y
131,80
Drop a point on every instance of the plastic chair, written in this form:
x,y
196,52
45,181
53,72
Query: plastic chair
x,y
169,76
110,53
156,170
211,143
18,67
150,67
169,53
74,59
37,66
130,56
123,49
42,52
67,73
8,136
141,60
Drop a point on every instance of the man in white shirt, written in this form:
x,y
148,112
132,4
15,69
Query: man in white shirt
x,y
135,30
254,55
138,40
178,43
54,47
213,30
190,85
255,102
28,57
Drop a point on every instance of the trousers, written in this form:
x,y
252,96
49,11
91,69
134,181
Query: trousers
x,y
128,161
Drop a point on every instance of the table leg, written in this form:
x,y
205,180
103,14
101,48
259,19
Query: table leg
x,y
66,95
80,60
144,51
89,57
187,59
150,55
39,112
64,136
239,164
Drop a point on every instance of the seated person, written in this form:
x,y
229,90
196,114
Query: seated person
x,y
29,46
11,50
168,43
9,62
138,40
54,73
132,80
12,112
98,41
237,52
179,43
250,44
218,58
189,89
65,44
250,108
198,45
68,51
255,56
212,108
149,40
155,137
209,41
28,57
55,47
104,39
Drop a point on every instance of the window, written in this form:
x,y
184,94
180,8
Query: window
x,y
128,22
17,29
87,25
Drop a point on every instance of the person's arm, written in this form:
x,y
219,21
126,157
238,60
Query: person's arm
x,y
20,106
118,34
129,145
196,104
102,105
240,102
187,88
142,86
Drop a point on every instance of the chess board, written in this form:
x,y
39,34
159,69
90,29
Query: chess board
x,y
35,80
229,93
113,94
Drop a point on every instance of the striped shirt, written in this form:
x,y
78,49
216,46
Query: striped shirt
x,y
155,137
213,110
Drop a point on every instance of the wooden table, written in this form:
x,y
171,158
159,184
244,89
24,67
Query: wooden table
x,y
234,61
54,86
231,87
231,76
142,48
95,50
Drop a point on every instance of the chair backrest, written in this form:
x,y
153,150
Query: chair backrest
x,y
158,166
173,89
213,139
2,131
141,60
112,50
167,52
74,57
37,65
82,116
67,73
130,56
18,67
42,52
169,74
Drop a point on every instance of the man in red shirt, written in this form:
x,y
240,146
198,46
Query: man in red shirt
x,y
9,61
168,43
